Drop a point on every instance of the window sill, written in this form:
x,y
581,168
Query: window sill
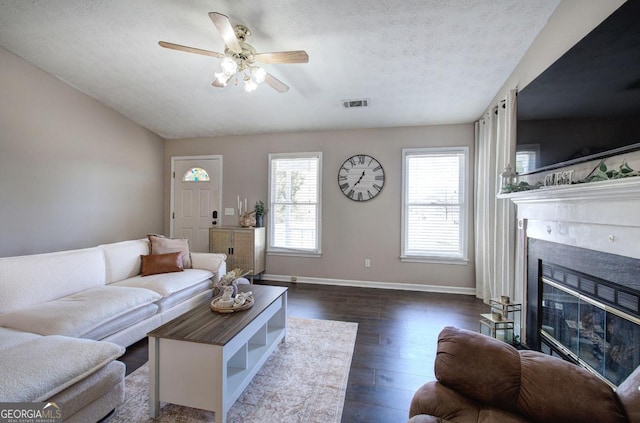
x,y
294,254
434,260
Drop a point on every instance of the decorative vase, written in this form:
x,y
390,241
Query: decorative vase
x,y
259,221
248,220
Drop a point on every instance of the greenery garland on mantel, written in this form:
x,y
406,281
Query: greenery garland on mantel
x,y
600,173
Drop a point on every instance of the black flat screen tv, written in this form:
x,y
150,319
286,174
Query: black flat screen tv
x,y
586,105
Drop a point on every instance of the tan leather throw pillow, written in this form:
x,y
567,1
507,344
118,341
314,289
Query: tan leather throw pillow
x,y
162,245
154,264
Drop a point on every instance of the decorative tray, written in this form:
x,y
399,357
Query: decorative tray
x,y
246,306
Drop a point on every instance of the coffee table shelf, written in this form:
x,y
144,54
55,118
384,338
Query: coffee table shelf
x,y
205,360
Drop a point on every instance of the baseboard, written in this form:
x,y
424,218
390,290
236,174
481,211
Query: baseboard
x,y
373,284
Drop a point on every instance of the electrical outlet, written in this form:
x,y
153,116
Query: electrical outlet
x,y
294,279
367,262
229,212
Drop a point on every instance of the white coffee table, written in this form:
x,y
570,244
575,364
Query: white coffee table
x,y
205,360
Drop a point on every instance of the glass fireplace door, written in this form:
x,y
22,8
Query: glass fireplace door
x,y
605,340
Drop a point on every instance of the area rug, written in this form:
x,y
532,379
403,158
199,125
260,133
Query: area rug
x,y
304,380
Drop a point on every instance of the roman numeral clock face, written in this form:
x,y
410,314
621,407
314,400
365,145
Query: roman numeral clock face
x,y
361,177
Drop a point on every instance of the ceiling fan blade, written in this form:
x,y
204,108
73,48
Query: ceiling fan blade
x,y
226,30
276,84
296,56
190,49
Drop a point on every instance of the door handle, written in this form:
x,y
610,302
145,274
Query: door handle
x,y
214,214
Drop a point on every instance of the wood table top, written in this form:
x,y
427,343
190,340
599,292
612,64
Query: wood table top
x,y
203,325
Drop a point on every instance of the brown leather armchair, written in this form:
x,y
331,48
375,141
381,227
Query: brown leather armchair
x,y
481,379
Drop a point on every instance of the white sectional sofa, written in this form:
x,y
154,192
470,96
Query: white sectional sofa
x,y
66,317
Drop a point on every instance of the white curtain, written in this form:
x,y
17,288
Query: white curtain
x,y
495,224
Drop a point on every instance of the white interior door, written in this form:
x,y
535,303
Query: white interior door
x,y
196,195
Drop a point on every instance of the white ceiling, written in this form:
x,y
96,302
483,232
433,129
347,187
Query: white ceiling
x,y
419,62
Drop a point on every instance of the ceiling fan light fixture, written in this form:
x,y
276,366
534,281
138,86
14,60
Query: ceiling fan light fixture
x,y
259,74
229,66
249,84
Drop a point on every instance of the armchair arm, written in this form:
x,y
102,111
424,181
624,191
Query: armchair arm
x,y
434,402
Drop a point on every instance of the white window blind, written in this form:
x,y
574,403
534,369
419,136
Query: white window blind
x,y
434,203
294,203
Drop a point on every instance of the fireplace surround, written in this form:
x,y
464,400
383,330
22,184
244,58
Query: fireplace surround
x,y
578,273
588,307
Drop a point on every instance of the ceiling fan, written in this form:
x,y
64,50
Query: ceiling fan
x,y
239,58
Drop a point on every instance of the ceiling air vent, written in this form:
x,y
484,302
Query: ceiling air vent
x,y
356,103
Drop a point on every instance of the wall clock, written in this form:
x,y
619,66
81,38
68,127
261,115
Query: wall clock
x,y
361,177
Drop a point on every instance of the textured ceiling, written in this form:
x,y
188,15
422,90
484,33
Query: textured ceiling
x,y
419,62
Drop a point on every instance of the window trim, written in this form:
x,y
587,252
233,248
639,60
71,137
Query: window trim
x,y
279,251
465,210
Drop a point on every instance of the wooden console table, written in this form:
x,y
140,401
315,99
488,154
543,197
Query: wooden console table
x,y
245,247
205,360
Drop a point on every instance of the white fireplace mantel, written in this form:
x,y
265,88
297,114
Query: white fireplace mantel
x,y
602,216
616,189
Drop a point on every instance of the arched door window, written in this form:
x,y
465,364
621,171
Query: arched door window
x,y
195,174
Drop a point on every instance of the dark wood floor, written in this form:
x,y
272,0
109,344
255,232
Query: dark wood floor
x,y
395,346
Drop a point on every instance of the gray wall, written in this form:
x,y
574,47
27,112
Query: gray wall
x,y
73,173
351,231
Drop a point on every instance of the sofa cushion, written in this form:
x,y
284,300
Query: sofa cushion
x,y
162,245
180,296
35,370
166,284
38,278
79,313
122,259
122,322
104,386
12,337
154,264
